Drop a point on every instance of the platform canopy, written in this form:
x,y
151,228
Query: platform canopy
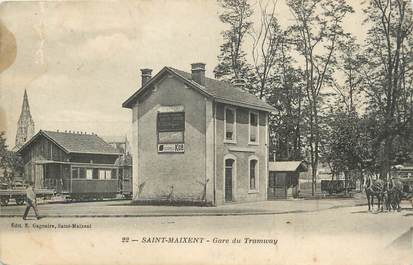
x,y
288,166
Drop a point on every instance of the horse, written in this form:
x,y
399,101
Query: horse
x,y
375,188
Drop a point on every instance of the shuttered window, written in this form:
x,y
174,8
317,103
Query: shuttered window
x,y
253,128
253,174
171,127
230,121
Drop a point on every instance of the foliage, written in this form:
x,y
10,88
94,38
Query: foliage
x,y
11,164
388,78
236,15
317,31
336,101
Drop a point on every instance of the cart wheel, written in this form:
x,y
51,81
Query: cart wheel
x,y
19,201
4,201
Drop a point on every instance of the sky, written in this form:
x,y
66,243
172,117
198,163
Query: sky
x,y
79,60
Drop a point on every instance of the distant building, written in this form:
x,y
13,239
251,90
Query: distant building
x,y
25,125
69,162
124,162
284,179
198,139
120,142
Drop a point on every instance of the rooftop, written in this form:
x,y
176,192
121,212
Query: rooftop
x,y
72,142
221,91
288,166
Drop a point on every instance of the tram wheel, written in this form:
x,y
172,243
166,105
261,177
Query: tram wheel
x,y
19,201
4,201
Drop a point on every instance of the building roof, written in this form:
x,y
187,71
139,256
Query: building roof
x,y
220,91
288,166
75,142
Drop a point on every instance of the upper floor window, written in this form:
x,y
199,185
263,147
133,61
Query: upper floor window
x,y
230,124
253,128
171,127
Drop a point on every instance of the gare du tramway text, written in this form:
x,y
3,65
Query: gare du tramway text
x,y
199,240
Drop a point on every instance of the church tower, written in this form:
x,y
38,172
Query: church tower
x,y
25,125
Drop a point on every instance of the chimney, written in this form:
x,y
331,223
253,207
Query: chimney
x,y
198,73
146,75
239,83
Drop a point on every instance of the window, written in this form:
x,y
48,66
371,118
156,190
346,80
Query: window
x,y
75,173
253,168
112,174
171,127
105,174
82,173
95,174
89,173
102,174
230,121
253,128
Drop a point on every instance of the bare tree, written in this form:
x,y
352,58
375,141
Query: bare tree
x,y
318,29
236,15
350,81
265,48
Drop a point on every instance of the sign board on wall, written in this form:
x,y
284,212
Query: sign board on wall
x,y
171,148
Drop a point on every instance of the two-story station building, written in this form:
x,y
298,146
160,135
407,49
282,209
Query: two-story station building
x,y
197,139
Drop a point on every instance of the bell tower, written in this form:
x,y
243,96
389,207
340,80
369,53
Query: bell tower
x,y
25,125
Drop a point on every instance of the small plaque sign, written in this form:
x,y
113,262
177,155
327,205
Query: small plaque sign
x,y
171,148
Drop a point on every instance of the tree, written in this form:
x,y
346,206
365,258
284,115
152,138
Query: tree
x,y
342,147
389,71
317,30
10,163
349,82
232,63
266,46
287,94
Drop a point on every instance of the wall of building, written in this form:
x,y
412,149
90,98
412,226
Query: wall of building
x,y
242,151
156,175
39,150
43,149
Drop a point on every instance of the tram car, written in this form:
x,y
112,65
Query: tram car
x,y
337,186
77,165
405,174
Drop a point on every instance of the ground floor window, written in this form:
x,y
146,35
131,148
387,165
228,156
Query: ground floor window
x,y
253,173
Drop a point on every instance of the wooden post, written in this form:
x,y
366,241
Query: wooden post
x,y
71,177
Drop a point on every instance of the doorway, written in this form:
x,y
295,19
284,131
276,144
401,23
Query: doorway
x,y
229,171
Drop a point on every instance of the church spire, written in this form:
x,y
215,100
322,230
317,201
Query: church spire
x,y
25,105
25,125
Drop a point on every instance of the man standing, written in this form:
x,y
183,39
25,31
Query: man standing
x,y
30,201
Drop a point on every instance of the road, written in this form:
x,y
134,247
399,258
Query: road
x,y
323,234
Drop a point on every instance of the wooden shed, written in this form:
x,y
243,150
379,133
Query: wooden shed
x,y
284,178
